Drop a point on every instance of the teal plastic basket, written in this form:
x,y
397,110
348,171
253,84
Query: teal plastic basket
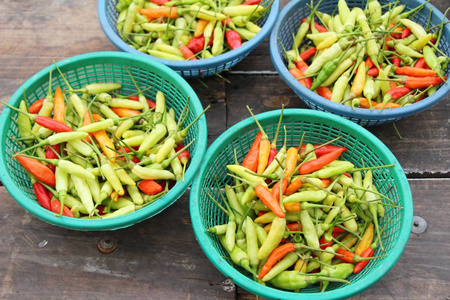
x,y
108,15
95,68
288,23
318,127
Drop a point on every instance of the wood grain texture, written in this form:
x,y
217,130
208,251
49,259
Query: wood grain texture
x,y
158,259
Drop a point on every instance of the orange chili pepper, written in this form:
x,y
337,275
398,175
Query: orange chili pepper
x,y
125,112
59,107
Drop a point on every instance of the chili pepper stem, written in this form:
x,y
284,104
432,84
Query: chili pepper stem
x,y
217,203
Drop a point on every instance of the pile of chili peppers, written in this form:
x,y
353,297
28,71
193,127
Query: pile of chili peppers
x,y
300,215
94,153
367,59
186,29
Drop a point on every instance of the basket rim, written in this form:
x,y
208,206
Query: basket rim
x,y
129,219
225,268
358,113
192,64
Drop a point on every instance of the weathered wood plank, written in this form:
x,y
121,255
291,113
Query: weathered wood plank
x,y
423,151
422,270
158,258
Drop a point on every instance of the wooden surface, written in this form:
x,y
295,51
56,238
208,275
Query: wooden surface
x,y
160,258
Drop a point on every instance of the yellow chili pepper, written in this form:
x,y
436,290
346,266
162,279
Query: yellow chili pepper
x,y
366,240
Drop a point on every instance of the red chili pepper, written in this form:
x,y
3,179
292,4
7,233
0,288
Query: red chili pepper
x,y
211,39
319,28
348,175
187,53
294,226
251,2
159,2
302,66
421,63
50,154
398,92
405,33
347,257
361,264
100,210
396,61
308,53
338,230
233,39
318,163
324,149
196,44
56,208
227,21
325,92
37,169
433,41
373,72
276,188
273,153
36,106
369,63
262,213
41,195
396,35
251,159
150,187
51,124
151,103
184,156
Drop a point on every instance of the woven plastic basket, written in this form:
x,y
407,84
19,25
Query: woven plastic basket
x,y
288,23
199,68
318,127
93,68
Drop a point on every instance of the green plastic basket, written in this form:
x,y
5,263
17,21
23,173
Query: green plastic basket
x,y
318,127
95,68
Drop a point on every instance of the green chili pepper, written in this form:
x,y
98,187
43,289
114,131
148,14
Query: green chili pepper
x,y
24,124
120,212
332,53
286,262
415,28
238,256
273,238
292,280
309,230
405,50
135,195
218,40
406,41
311,196
83,192
131,17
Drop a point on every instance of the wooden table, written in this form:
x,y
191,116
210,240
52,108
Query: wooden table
x,y
160,261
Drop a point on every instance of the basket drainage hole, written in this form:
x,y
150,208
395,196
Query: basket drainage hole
x,y
419,225
107,244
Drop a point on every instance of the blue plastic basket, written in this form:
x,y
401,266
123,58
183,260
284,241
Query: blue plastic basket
x,y
318,127
95,68
288,23
198,68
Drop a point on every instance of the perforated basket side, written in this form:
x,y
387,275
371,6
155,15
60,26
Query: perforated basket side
x,y
288,24
318,128
97,68
199,68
